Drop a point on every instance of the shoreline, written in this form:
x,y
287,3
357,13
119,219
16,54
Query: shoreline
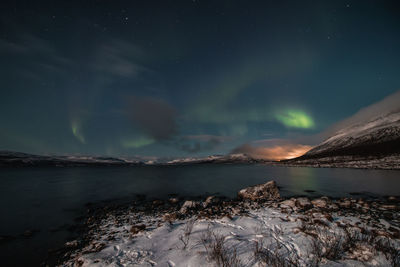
x,y
384,162
114,229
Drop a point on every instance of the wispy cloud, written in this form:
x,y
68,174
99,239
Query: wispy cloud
x,y
198,143
275,152
120,58
383,107
34,57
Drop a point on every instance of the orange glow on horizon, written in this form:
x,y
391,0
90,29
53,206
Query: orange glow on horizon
x,y
279,152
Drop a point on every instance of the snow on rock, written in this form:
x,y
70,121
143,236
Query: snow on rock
x,y
303,202
265,191
188,205
246,240
263,232
319,202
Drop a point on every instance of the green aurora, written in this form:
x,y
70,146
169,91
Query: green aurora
x,y
295,119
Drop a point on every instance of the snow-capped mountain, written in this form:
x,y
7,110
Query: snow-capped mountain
x,y
9,158
374,143
230,158
378,136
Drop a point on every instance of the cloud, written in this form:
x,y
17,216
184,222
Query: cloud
x,y
275,152
33,57
155,117
389,104
198,143
120,58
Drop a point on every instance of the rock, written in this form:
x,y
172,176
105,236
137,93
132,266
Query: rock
x,y
296,230
72,244
158,202
29,233
289,203
188,205
395,233
319,203
173,200
309,191
388,207
211,200
137,228
267,191
169,217
303,202
96,247
328,217
387,215
345,203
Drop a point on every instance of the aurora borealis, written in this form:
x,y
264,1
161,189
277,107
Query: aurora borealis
x,y
295,119
189,78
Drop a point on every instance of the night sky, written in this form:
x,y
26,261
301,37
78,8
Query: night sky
x,y
188,78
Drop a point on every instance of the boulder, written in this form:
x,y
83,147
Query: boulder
x,y
346,203
72,244
173,200
333,207
211,200
319,203
169,217
188,205
388,207
289,203
137,228
157,202
303,202
267,191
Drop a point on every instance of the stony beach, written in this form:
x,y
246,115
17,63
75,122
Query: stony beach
x,y
258,228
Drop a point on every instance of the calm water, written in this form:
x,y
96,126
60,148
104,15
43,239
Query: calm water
x,y
46,199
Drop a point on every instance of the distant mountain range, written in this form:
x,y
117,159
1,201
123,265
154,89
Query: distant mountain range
x,y
9,158
372,144
230,158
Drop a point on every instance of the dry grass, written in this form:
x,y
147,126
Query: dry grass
x,y
388,248
275,255
329,245
187,231
218,251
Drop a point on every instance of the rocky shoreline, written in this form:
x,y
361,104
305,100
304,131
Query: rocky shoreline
x,y
387,162
257,228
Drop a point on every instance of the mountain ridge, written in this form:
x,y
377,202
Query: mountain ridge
x,y
374,143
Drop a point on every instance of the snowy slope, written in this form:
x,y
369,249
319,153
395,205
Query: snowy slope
x,y
378,136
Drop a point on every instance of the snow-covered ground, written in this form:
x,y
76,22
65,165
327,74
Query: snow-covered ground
x,y
269,234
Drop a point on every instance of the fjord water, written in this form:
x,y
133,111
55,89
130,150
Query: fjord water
x,y
48,200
